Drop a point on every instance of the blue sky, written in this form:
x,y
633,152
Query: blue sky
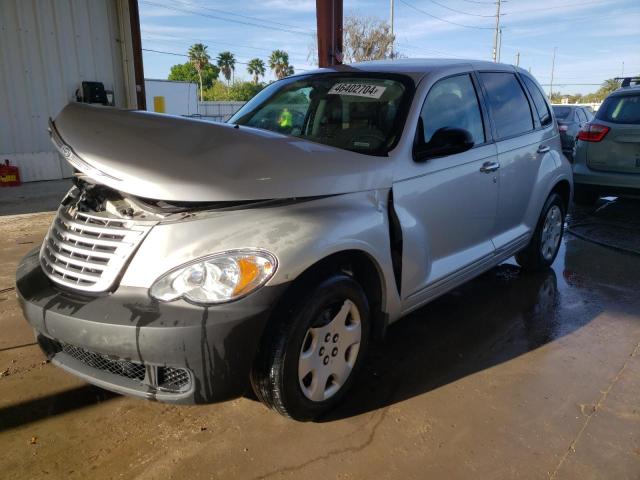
x,y
594,38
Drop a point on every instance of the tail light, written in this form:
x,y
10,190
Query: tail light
x,y
592,132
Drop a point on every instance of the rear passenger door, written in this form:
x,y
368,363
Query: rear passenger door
x,y
447,207
521,144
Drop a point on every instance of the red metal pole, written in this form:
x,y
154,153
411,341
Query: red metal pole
x,y
329,18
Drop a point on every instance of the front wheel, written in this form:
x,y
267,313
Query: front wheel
x,y
545,243
307,363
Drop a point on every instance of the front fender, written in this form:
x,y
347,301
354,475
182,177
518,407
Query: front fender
x,y
298,234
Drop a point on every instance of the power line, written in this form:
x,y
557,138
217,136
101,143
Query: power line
x,y
553,7
460,11
479,3
442,19
226,12
213,43
427,50
563,84
216,17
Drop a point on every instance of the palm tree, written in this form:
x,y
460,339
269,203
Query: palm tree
x,y
256,68
227,64
199,57
279,63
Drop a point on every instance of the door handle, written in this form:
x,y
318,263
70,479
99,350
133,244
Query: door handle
x,y
543,149
488,167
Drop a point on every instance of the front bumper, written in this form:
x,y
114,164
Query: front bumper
x,y
128,330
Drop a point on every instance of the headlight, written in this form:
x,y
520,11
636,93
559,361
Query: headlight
x,y
216,278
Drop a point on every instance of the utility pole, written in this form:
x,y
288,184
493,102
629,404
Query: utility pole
x,y
391,23
500,45
622,69
518,58
497,32
553,67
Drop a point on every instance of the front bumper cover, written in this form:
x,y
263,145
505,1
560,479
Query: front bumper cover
x,y
215,344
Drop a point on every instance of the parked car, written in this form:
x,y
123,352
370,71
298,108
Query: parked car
x,y
570,118
190,257
607,153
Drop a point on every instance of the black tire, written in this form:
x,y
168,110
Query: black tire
x,y
585,196
531,257
274,377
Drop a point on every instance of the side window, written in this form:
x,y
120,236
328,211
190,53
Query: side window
x,y
452,102
538,100
587,114
508,104
581,116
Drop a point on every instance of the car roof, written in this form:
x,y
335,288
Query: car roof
x,y
626,90
416,68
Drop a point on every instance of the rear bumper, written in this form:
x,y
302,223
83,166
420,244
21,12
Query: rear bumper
x,y
215,345
605,181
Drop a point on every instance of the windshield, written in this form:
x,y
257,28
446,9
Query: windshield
x,y
562,113
363,114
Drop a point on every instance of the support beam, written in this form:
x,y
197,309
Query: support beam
x,y
136,43
329,19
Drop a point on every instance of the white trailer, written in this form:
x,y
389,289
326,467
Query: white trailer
x,y
172,97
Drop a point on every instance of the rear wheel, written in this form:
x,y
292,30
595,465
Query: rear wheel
x,y
308,362
545,243
585,196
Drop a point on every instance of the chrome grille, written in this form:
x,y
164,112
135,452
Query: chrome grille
x,y
168,379
87,251
124,368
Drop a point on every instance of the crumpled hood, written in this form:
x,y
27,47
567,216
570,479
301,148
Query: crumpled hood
x,y
172,158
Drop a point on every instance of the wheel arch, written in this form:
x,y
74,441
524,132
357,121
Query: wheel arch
x,y
359,265
563,188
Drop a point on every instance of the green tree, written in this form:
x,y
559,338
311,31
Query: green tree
x,y
256,68
238,91
608,86
186,72
244,91
227,63
279,63
199,57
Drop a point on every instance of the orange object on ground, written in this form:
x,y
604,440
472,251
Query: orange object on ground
x,y
9,175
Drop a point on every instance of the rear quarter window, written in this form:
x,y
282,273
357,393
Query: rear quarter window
x,y
621,109
538,100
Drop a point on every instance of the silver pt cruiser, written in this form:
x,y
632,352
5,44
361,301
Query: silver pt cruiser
x,y
192,259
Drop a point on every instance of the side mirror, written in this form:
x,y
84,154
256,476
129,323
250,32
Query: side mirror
x,y
445,141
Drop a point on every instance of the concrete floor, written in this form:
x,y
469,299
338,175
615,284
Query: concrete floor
x,y
510,376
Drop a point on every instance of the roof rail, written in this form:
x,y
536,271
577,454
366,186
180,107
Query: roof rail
x,y
627,81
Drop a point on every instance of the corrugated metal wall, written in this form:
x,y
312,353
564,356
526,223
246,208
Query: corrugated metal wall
x,y
47,48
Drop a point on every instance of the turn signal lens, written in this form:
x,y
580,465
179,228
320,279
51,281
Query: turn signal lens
x,y
216,278
592,132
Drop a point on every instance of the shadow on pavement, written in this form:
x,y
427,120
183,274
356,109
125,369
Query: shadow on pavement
x,y
55,404
498,316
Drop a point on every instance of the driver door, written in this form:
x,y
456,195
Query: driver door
x,y
447,209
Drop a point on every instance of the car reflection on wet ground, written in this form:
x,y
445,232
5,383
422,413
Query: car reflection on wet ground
x,y
511,375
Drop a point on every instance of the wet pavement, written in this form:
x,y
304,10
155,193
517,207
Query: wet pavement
x,y
512,375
